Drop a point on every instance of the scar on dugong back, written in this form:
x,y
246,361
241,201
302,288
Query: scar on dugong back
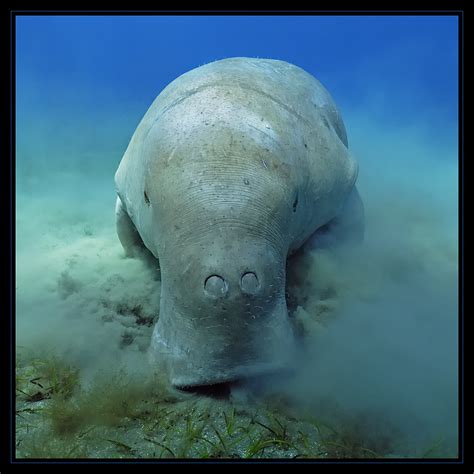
x,y
235,166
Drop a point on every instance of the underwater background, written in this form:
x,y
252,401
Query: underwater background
x,y
379,378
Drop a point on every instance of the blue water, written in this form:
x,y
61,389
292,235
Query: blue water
x,y
72,70
82,86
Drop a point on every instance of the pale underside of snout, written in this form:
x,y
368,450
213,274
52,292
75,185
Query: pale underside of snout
x,y
215,351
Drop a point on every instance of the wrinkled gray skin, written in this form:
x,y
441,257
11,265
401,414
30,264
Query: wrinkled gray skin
x,y
236,165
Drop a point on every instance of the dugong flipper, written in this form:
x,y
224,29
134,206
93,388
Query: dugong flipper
x,y
126,231
235,166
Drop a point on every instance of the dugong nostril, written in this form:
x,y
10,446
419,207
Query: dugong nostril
x,y
249,283
215,286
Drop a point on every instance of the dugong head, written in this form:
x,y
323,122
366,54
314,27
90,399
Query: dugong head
x,y
223,228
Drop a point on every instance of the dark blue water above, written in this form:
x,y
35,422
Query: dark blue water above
x,y
110,68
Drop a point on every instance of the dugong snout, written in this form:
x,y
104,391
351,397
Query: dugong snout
x,y
223,319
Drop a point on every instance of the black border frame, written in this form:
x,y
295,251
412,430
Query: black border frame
x,y
7,453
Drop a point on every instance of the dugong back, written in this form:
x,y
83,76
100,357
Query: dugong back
x,y
275,104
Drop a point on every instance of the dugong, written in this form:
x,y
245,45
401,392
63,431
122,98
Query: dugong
x,y
235,166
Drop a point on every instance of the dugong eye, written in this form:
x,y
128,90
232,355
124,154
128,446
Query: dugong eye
x,y
295,202
145,196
